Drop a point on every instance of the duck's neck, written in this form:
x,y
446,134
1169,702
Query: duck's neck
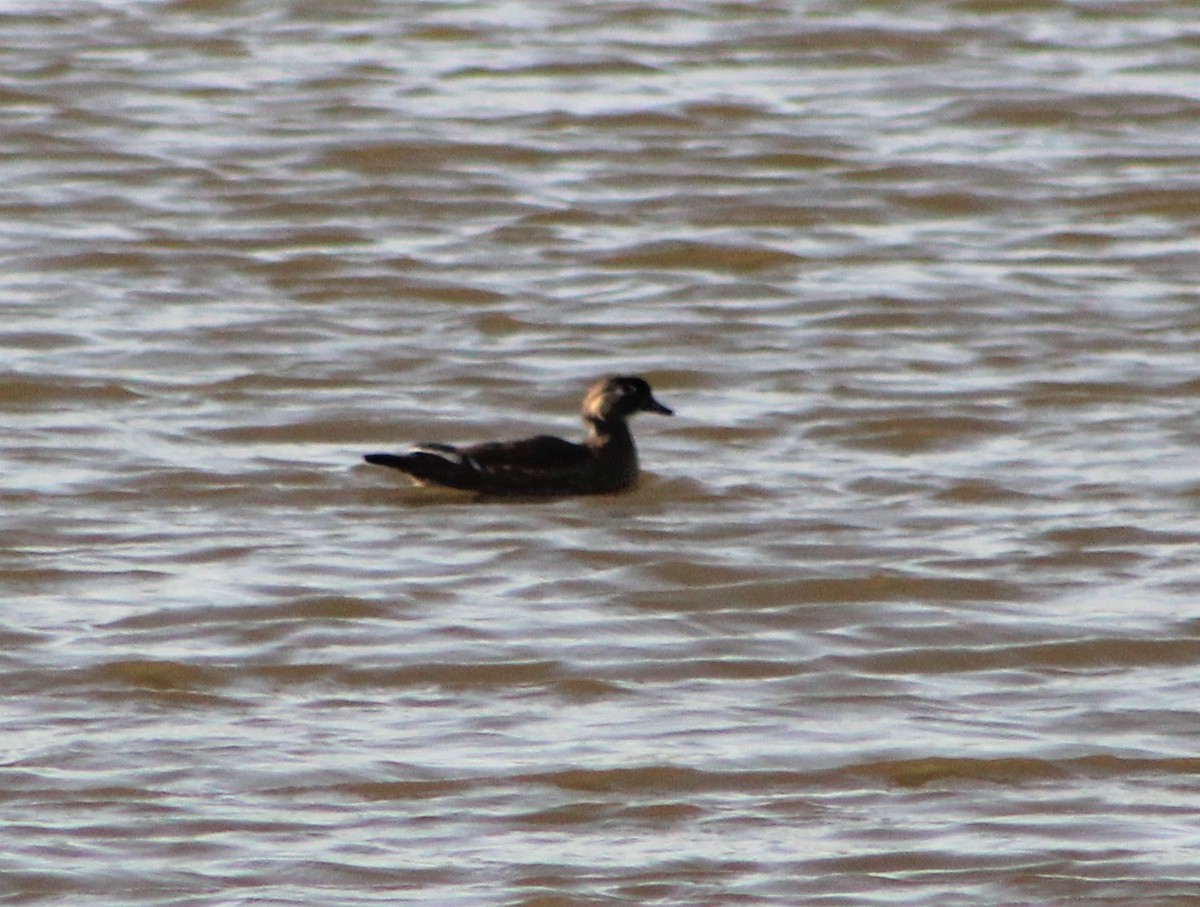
x,y
616,460
611,435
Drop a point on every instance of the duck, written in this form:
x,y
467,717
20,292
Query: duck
x,y
605,462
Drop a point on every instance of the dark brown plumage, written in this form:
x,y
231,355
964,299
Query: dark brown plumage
x,y
606,461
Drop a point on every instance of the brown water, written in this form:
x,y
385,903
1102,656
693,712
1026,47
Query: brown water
x,y
906,610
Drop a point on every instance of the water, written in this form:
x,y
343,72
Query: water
x,y
904,610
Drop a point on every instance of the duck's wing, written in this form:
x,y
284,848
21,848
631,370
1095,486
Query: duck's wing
x,y
533,466
544,453
540,465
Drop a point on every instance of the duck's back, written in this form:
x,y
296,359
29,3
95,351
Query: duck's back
x,y
535,466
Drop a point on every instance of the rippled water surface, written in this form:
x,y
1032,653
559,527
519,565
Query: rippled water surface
x,y
905,608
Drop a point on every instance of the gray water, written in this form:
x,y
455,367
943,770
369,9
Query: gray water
x,y
904,610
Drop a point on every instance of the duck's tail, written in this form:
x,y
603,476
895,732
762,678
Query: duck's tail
x,y
433,464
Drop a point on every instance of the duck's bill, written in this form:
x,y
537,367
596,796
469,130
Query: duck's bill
x,y
655,407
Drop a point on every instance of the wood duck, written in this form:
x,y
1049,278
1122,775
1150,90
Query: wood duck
x,y
606,462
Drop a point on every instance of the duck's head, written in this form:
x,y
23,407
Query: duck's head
x,y
619,398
